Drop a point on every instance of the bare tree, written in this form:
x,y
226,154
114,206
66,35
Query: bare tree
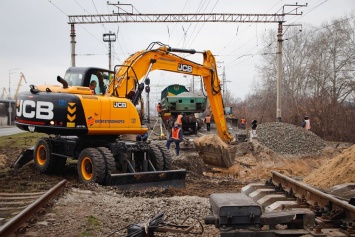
x,y
318,79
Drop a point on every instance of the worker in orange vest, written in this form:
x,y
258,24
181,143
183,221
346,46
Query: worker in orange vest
x,y
208,122
179,119
175,136
159,109
242,123
306,124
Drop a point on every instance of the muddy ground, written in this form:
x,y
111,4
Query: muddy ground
x,y
93,210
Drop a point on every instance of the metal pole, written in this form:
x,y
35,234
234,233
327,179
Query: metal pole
x,y
10,109
148,110
279,73
72,42
109,37
109,55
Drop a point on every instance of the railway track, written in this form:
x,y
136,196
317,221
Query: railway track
x,y
27,206
281,207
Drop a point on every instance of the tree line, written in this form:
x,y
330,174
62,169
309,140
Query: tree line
x,y
318,80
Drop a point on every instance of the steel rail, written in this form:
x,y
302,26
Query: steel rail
x,y
10,227
313,196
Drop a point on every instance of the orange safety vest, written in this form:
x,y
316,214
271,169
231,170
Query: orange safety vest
x,y
175,133
159,109
308,124
243,121
178,120
208,119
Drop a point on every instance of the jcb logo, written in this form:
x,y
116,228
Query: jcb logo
x,y
184,68
119,105
33,109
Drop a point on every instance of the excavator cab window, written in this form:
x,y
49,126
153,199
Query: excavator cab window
x,y
102,81
74,79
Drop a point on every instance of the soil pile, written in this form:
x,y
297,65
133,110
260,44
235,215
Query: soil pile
x,y
210,139
254,163
340,169
288,139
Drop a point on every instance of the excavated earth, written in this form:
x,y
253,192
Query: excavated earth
x,y
94,210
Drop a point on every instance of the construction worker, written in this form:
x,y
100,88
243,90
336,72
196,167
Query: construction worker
x,y
159,109
242,123
175,136
179,119
306,124
93,87
208,122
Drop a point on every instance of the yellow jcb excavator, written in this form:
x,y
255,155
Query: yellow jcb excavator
x,y
87,123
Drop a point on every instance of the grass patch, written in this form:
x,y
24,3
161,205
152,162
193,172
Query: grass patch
x,y
92,226
21,140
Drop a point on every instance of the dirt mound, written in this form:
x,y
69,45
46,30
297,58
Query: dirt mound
x,y
288,139
340,169
210,139
254,163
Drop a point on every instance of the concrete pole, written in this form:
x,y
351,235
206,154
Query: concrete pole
x,y
109,55
279,72
72,42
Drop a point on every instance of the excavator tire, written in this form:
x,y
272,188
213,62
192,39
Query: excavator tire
x,y
110,160
43,158
91,166
156,157
168,160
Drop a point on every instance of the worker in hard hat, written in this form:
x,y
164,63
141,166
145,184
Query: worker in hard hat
x,y
176,137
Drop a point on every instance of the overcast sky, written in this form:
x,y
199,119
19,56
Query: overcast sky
x,y
35,36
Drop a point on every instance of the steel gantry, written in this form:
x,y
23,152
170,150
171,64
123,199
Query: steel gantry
x,y
131,17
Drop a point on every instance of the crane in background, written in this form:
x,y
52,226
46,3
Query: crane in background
x,y
4,93
22,78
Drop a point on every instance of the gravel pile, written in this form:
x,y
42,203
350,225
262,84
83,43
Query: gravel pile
x,y
288,139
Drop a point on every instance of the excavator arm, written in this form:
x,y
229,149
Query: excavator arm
x,y
137,67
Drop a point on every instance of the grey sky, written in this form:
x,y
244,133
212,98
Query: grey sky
x,y
36,37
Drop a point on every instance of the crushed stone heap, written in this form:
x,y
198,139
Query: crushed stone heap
x,y
288,139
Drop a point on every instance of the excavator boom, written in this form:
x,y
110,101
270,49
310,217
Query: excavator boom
x,y
137,67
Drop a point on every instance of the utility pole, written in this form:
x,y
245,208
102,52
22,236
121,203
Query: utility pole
x,y
279,72
224,82
72,42
109,37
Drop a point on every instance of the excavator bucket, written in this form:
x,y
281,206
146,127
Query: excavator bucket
x,y
213,151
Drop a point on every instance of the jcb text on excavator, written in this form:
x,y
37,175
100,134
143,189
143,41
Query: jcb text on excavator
x,y
87,123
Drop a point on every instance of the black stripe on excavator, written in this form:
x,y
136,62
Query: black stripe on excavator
x,y
142,180
53,130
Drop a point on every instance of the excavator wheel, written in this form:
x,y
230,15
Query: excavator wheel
x,y
43,159
168,160
91,166
110,160
156,157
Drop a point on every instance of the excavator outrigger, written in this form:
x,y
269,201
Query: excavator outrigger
x,y
87,124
